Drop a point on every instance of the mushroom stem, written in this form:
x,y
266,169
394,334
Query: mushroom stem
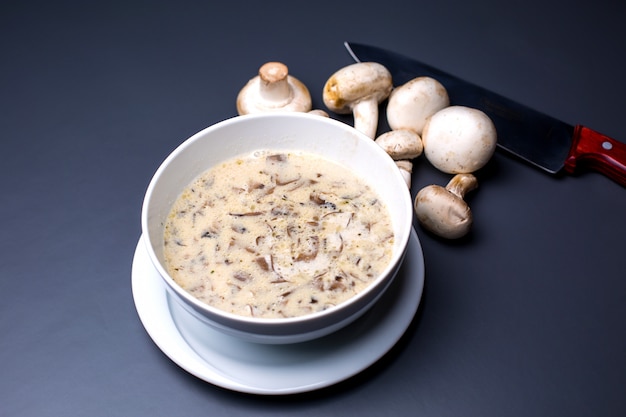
x,y
462,184
274,86
366,117
406,169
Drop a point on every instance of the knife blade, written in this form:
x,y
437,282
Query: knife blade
x,y
539,139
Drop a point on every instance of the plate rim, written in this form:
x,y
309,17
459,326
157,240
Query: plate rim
x,y
150,296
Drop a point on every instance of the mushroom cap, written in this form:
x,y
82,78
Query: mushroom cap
x,y
401,144
319,112
459,139
273,89
442,212
413,102
355,83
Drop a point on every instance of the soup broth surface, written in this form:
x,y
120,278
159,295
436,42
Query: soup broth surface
x,y
277,234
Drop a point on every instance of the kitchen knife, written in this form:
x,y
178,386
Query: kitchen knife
x,y
545,142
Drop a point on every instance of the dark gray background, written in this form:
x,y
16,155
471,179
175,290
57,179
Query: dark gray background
x,y
526,316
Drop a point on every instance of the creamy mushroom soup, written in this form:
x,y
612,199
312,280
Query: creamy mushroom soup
x,y
277,235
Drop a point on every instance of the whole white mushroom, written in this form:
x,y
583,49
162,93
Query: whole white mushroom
x,y
443,211
459,139
412,103
273,89
359,89
401,144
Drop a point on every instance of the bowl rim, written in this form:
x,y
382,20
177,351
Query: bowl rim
x,y
228,317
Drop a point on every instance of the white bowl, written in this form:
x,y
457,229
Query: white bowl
x,y
277,131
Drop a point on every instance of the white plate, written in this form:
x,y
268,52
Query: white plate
x,y
276,369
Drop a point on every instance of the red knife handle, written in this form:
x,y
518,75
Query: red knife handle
x,y
597,152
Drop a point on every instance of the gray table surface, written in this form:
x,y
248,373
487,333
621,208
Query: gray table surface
x,y
525,317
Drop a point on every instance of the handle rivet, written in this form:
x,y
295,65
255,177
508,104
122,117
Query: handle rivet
x,y
607,145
